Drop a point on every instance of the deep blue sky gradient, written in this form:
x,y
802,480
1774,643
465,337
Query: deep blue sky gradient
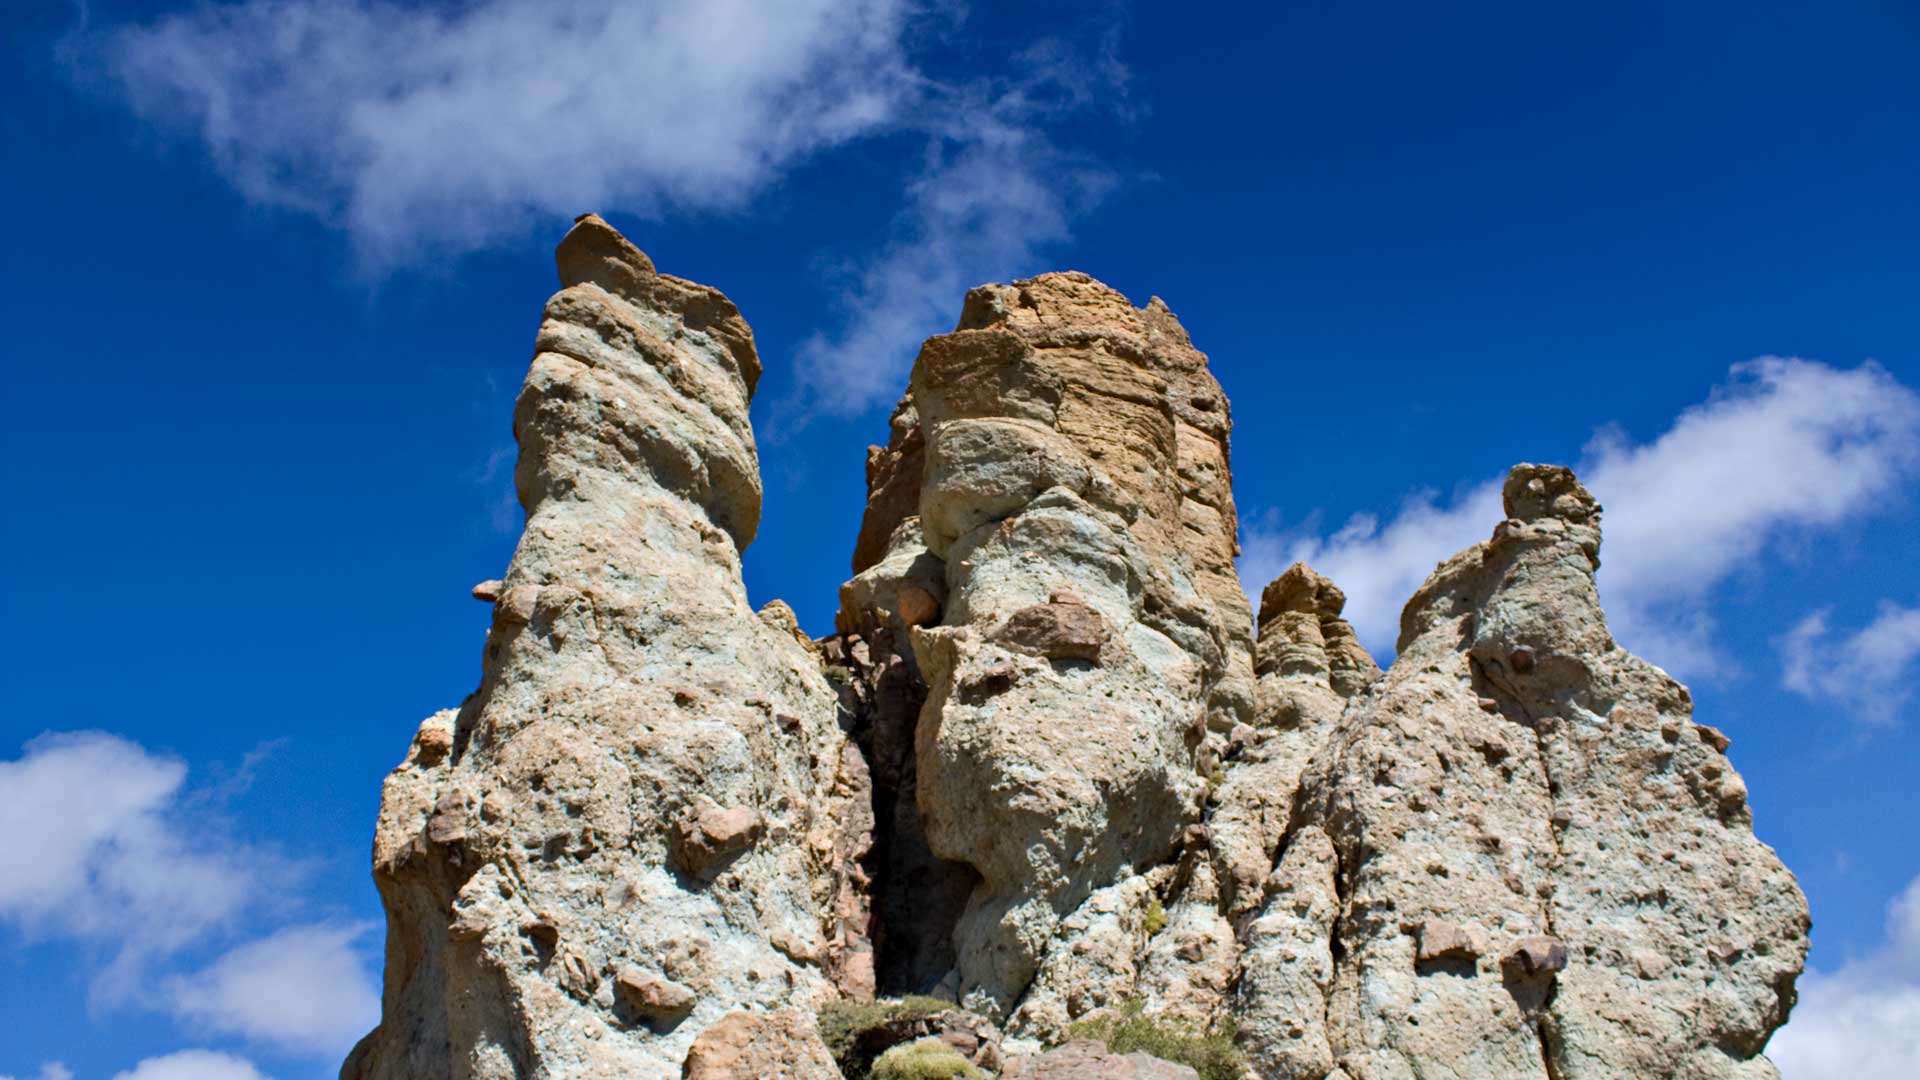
x,y
249,486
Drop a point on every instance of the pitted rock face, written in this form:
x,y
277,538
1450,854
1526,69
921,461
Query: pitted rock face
x,y
1043,768
1518,771
639,823
1068,454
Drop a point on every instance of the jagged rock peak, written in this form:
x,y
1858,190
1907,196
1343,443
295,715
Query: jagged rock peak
x,y
1568,860
1301,589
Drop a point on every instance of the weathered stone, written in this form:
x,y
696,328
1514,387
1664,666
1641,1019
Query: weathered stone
x,y
782,1044
1537,955
707,836
565,822
652,995
1088,1059
1440,938
1057,630
488,591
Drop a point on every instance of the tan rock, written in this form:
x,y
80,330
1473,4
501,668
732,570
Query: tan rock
x,y
782,1044
1088,1059
652,995
1440,939
1057,630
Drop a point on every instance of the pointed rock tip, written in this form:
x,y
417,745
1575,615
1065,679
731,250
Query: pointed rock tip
x,y
1301,588
1536,491
595,251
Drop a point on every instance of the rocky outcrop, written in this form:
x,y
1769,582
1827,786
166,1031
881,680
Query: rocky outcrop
x,y
1544,867
1045,770
646,821
1058,581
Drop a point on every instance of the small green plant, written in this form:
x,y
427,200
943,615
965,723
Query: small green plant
x,y
850,1027
1209,1051
928,1059
1156,918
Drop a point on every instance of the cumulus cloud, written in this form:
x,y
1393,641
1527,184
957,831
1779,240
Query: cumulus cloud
x,y
1864,1019
449,128
1785,444
1868,671
193,1065
105,847
302,988
90,833
429,131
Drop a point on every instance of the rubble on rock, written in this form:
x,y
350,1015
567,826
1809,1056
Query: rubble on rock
x,y
1045,770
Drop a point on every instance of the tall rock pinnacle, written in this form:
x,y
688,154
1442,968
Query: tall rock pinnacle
x,y
1046,769
645,816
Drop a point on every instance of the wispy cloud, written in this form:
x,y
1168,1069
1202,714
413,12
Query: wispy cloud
x,y
1864,1019
1869,671
106,847
193,1065
1784,445
997,191
428,130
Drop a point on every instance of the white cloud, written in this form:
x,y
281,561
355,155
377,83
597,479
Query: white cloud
x,y
193,1065
432,131
450,128
302,988
52,1070
104,846
90,835
1864,1019
1867,671
1784,445
997,192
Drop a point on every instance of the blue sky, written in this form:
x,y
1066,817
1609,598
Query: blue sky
x,y
274,269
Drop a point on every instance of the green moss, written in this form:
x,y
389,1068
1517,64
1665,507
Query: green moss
x,y
846,1025
928,1059
1209,1051
1156,919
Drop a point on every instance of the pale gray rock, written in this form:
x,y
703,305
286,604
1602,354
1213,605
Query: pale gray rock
x,y
1519,774
638,824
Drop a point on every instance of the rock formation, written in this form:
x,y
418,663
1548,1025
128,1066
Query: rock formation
x,y
646,823
1045,770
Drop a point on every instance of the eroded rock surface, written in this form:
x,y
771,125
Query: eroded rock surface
x,y
645,819
1545,869
1060,462
1044,770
